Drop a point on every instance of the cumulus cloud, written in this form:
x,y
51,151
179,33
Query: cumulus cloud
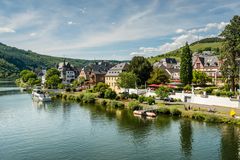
x,y
190,36
206,28
6,30
170,46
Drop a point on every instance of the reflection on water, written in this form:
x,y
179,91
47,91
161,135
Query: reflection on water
x,y
230,142
65,130
186,137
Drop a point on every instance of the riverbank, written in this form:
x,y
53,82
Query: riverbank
x,y
171,109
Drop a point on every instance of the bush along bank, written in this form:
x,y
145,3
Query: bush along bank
x,y
198,115
92,98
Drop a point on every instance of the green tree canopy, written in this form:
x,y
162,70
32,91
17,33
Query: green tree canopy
x,y
163,92
141,67
200,78
52,78
158,76
51,72
186,65
127,80
231,51
53,81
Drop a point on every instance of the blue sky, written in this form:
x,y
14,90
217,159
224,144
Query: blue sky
x,y
111,29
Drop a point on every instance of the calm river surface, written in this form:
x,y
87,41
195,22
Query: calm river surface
x,y
60,130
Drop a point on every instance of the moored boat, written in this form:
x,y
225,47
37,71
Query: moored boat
x,y
151,114
40,95
138,112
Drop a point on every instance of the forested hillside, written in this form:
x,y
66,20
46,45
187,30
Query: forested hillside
x,y
13,60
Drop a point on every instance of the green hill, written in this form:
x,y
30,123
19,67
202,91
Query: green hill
x,y
13,60
213,44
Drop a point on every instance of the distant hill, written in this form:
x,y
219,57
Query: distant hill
x,y
13,60
206,44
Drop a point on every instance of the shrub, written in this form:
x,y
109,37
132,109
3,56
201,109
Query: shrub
x,y
100,87
67,89
213,119
217,93
88,98
117,98
198,116
73,89
110,94
90,90
124,95
176,112
208,90
163,92
133,96
229,94
103,102
134,105
115,104
61,86
187,87
101,94
164,110
150,100
64,97
141,99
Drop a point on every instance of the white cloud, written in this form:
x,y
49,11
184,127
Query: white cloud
x,y
177,43
6,30
137,53
190,36
33,34
206,28
70,22
180,30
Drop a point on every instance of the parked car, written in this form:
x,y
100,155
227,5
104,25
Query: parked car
x,y
168,99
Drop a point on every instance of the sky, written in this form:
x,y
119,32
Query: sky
x,y
111,29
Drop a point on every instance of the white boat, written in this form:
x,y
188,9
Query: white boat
x,y
40,95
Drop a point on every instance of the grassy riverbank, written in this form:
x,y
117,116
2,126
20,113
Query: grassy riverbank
x,y
179,110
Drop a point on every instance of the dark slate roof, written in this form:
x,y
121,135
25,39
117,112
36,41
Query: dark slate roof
x,y
117,69
98,67
171,60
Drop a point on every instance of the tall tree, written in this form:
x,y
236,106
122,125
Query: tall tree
x,y
200,78
158,76
141,67
231,51
127,80
186,65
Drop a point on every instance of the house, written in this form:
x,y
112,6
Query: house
x,y
208,63
95,72
170,66
67,71
113,74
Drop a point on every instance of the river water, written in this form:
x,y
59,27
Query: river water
x,y
62,131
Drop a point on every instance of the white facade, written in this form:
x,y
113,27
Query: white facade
x,y
70,76
207,100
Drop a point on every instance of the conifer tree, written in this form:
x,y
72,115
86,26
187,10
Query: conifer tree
x,y
186,65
